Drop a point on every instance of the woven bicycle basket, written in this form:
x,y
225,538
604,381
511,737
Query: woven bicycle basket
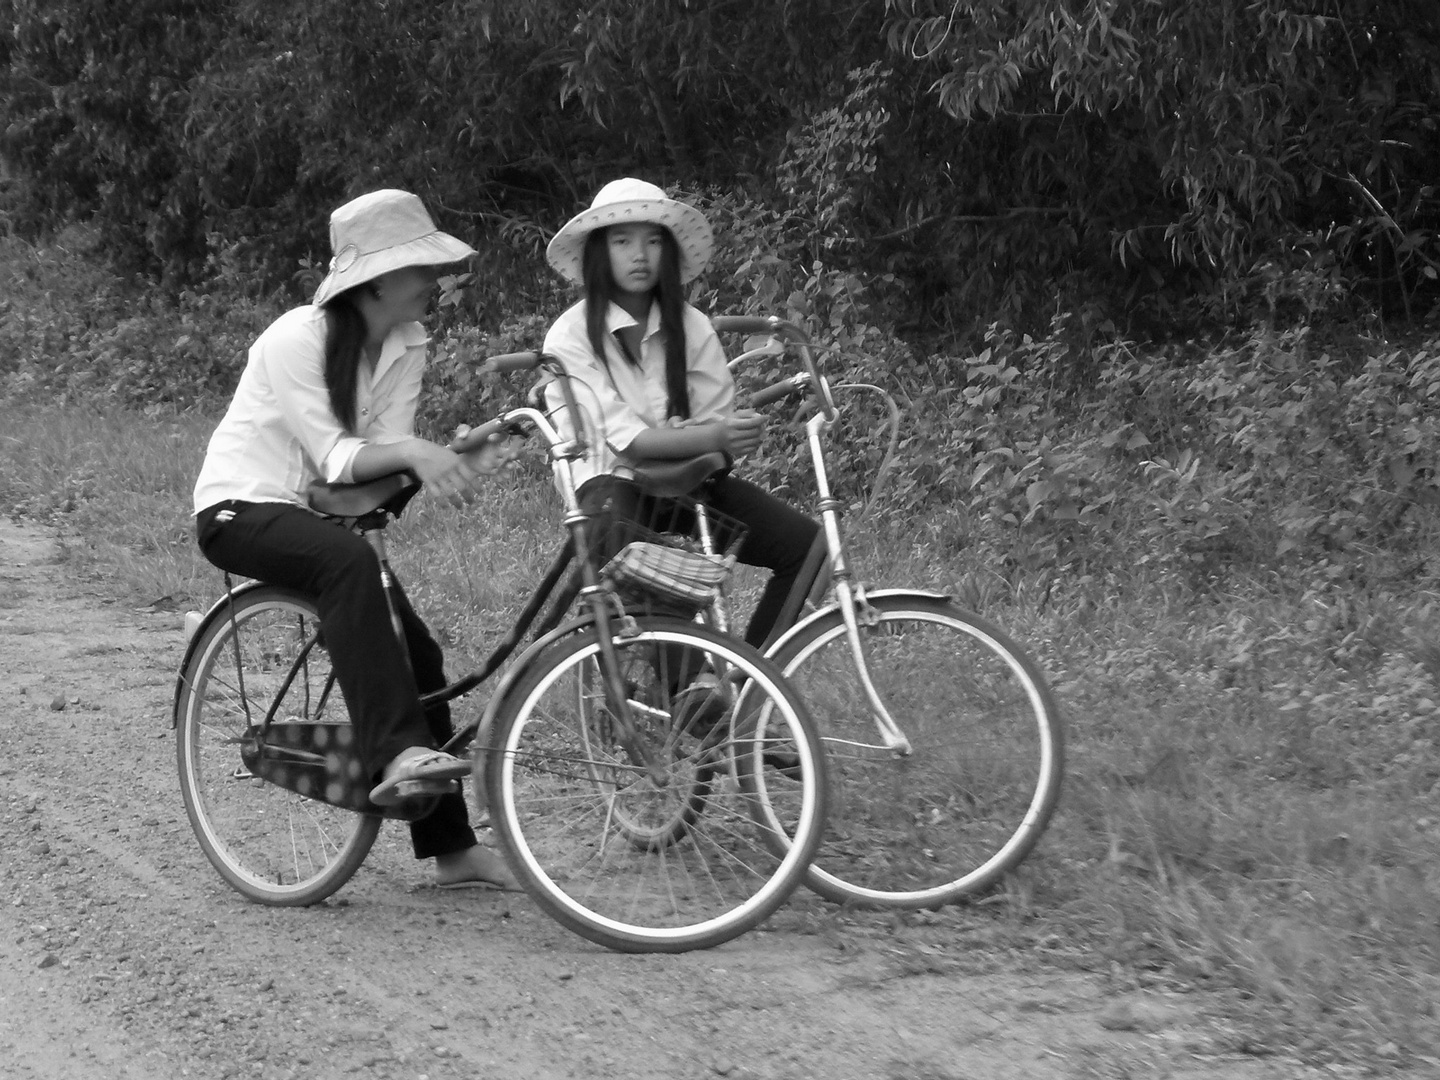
x,y
675,562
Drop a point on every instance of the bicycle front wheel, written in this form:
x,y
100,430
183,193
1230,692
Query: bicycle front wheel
x,y
975,795
650,833
274,845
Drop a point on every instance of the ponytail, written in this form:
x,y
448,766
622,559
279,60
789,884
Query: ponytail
x,y
344,342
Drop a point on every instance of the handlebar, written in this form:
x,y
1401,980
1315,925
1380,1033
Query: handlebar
x,y
528,360
768,395
517,421
748,324
792,336
477,437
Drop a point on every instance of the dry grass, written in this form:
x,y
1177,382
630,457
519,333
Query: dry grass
x,y
1253,797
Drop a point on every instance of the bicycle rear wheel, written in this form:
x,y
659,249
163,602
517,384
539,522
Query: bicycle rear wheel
x,y
272,844
973,798
670,855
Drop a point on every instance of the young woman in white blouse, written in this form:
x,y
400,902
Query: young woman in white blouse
x,y
656,374
328,395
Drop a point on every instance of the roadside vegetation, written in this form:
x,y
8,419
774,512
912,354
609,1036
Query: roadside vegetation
x,y
1224,555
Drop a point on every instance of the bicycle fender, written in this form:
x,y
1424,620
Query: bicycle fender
x,y
217,609
830,610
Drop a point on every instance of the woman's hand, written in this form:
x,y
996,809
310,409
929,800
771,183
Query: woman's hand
x,y
738,434
451,476
744,431
491,456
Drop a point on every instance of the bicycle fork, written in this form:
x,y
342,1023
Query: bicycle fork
x,y
617,697
855,611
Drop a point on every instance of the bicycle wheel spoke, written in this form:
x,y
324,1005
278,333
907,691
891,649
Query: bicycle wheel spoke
x,y
274,845
665,852
971,801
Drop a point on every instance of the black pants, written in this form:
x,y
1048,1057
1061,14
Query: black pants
x,y
778,536
285,545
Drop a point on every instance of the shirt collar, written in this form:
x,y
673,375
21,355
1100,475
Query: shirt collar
x,y
617,318
398,342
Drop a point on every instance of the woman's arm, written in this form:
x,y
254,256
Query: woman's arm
x,y
391,445
443,472
736,434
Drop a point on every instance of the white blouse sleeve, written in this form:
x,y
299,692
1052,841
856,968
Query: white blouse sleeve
x,y
293,363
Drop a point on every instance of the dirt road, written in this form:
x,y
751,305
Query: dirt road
x,y
125,955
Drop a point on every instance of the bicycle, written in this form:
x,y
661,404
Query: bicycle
x,y
944,743
624,822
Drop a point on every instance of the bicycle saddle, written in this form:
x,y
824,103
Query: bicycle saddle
x,y
673,477
356,500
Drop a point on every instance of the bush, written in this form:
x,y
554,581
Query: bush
x,y
70,330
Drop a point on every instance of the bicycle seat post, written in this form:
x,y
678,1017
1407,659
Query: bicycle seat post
x,y
372,527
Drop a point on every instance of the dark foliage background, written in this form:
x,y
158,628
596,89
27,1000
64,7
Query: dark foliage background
x,y
1160,162
1166,264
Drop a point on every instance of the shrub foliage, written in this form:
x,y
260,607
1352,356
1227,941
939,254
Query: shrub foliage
x,y
1160,159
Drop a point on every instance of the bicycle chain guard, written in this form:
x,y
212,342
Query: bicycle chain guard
x,y
316,760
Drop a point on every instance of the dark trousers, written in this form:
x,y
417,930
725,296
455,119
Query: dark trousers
x,y
285,545
778,536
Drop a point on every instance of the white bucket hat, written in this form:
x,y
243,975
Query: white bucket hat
x,y
621,202
380,232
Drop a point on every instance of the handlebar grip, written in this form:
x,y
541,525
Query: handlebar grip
x,y
768,395
745,324
477,437
513,361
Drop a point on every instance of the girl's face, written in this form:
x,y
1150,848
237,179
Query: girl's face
x,y
635,251
405,294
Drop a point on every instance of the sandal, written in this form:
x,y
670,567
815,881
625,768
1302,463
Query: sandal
x,y
485,870
702,706
430,774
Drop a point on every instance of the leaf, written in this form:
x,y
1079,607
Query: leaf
x,y
1038,492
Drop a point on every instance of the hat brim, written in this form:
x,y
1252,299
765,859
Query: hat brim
x,y
692,232
435,249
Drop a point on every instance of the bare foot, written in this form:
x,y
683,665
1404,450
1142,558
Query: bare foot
x,y
474,868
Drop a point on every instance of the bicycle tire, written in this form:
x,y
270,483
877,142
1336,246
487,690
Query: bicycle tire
x,y
651,824
273,845
973,798
564,795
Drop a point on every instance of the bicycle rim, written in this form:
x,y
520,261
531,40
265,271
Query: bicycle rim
x,y
670,856
973,798
271,844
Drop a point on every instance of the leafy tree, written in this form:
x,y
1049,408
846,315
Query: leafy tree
x,y
94,90
1268,145
929,164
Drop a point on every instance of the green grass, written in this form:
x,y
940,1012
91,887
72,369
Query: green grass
x,y
1252,798
1253,792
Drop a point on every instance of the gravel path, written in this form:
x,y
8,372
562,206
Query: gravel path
x,y
125,955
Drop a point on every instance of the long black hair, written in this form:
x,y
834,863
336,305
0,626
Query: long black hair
x,y
344,342
600,285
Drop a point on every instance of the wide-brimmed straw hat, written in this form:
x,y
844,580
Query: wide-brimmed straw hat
x,y
380,232
622,202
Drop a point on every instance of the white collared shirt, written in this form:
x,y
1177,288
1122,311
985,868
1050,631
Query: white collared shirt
x,y
279,433
625,400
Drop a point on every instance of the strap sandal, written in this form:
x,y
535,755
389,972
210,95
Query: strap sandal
x,y
423,775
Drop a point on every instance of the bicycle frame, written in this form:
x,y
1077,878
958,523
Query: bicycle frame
x,y
574,556
849,595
